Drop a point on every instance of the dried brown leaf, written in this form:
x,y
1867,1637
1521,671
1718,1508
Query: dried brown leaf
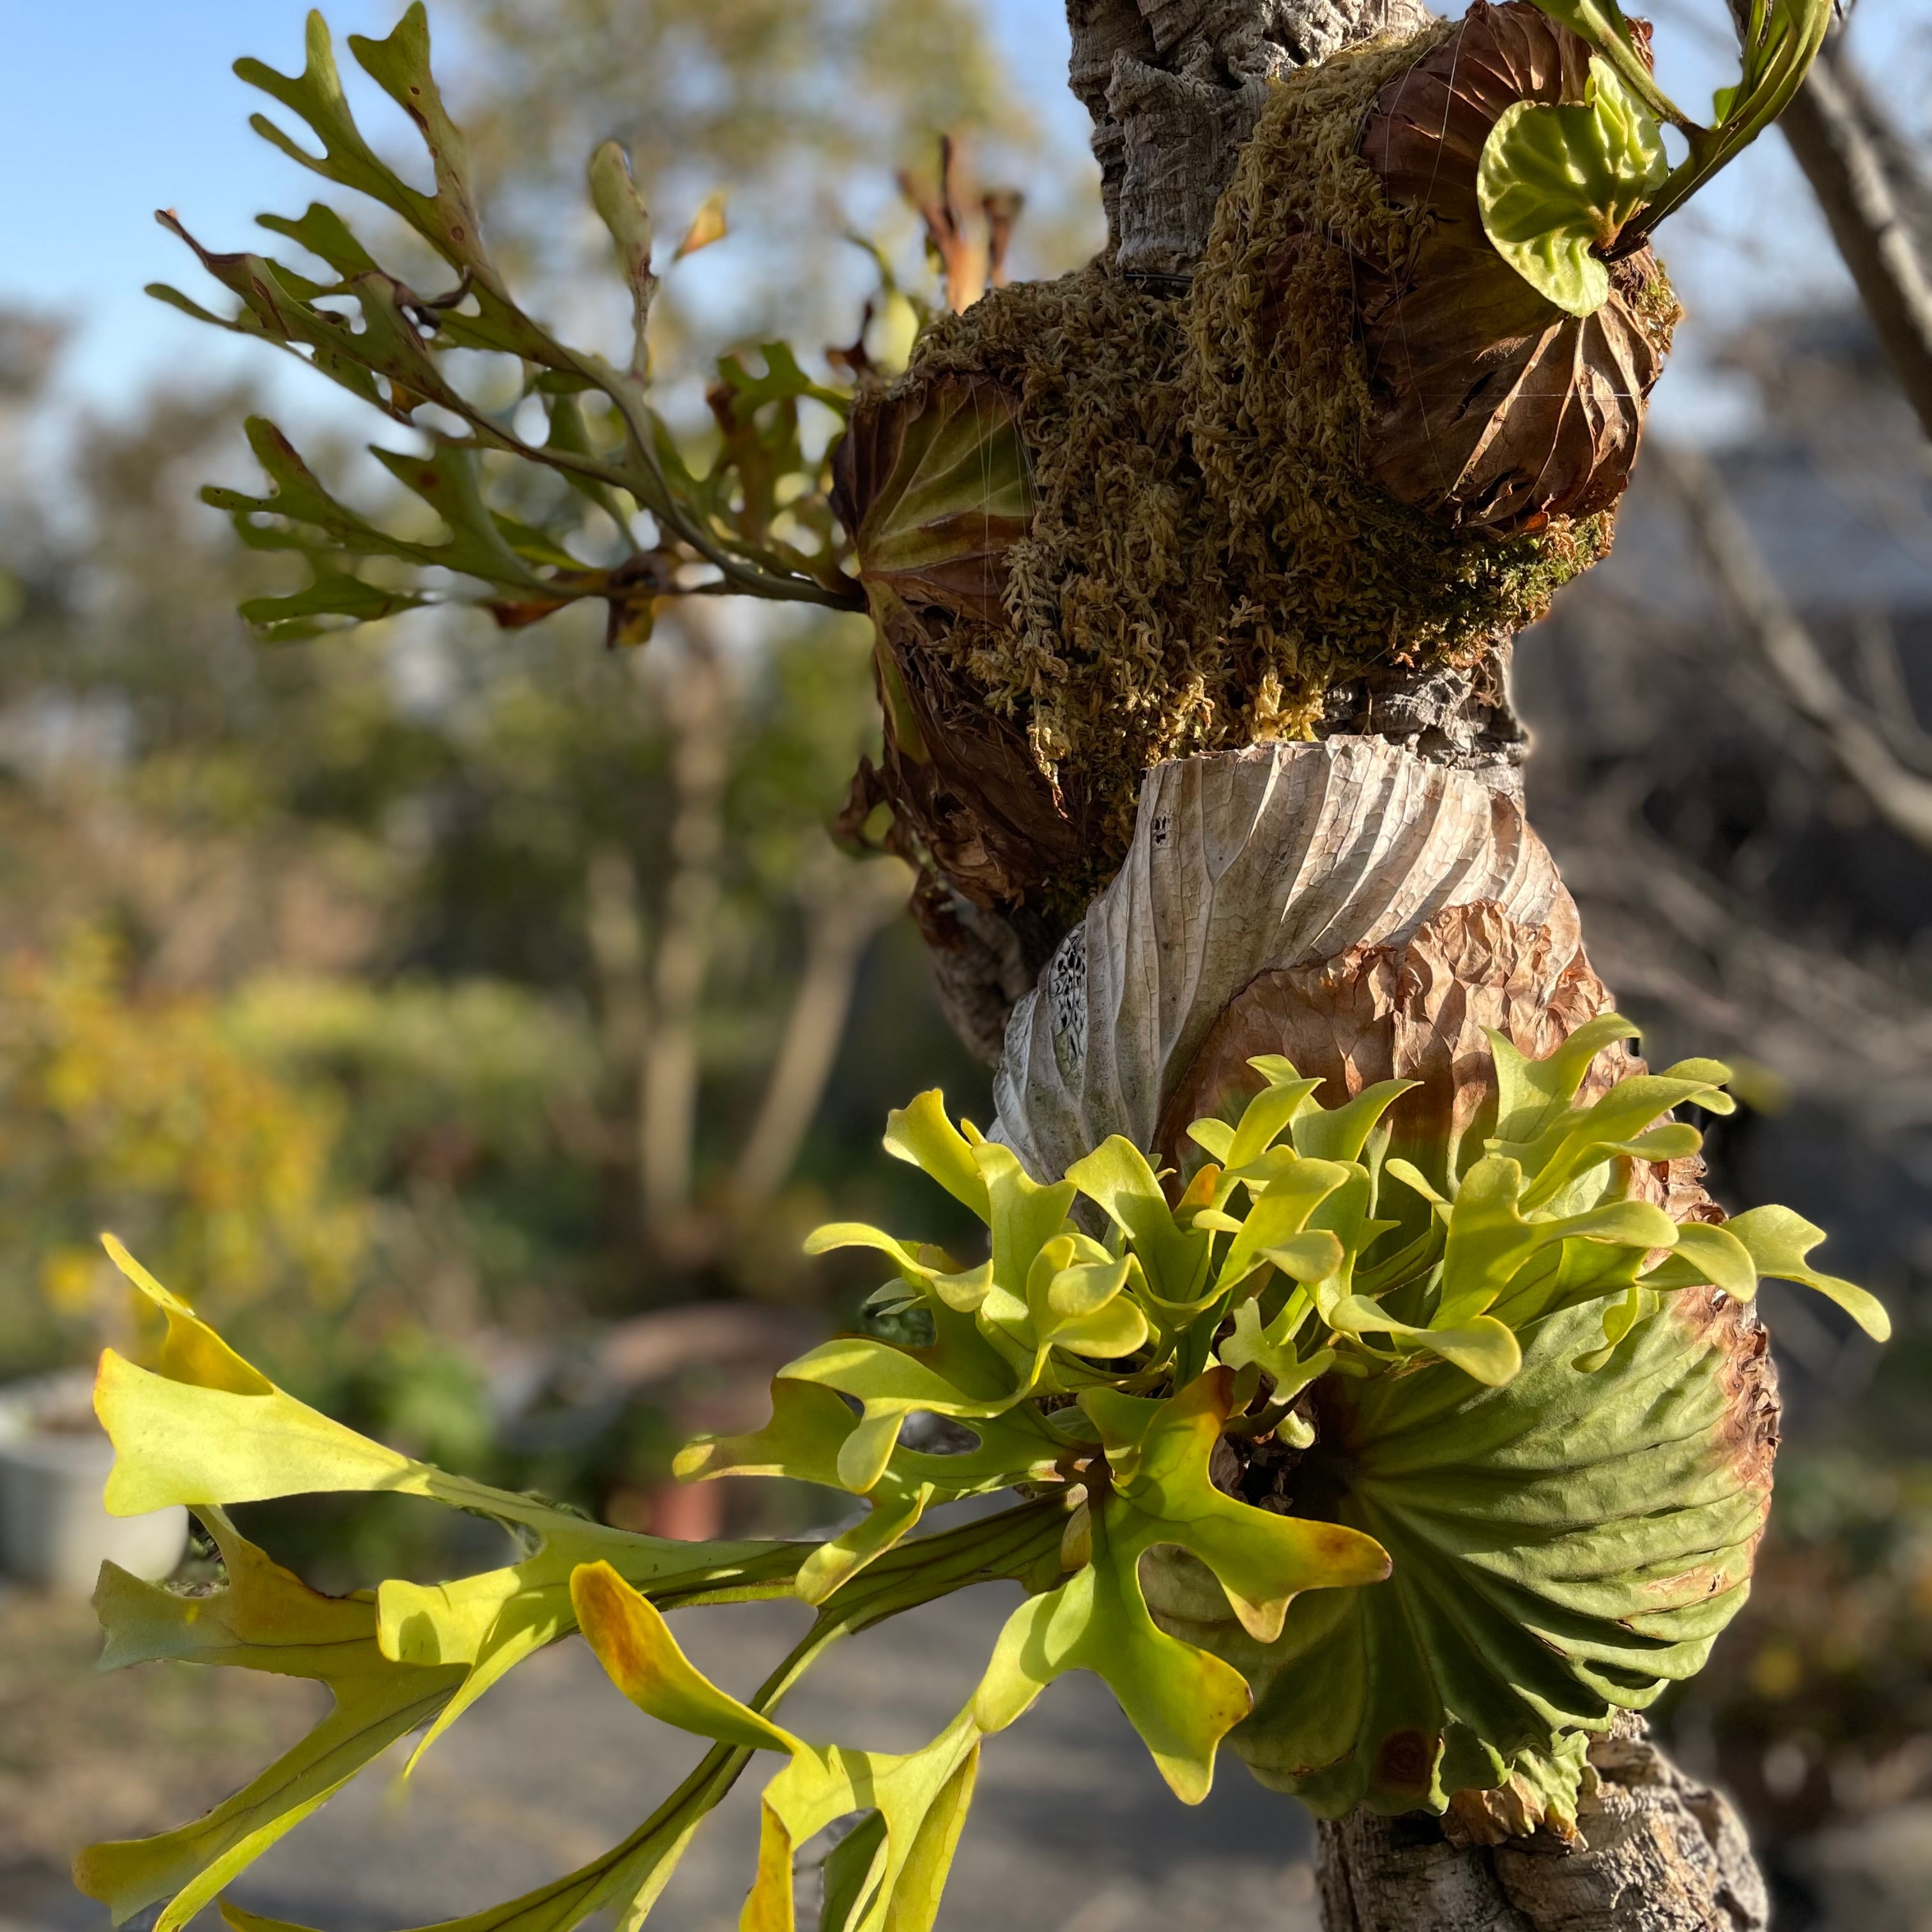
x,y
1495,408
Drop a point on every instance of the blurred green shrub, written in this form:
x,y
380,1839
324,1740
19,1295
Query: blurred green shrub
x,y
120,1111
461,1103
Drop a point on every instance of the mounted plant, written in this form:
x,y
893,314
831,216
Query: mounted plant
x,y
1388,416
1380,1390
1407,1480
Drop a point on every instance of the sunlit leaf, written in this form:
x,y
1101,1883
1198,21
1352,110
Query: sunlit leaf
x,y
635,1646
1558,182
262,1618
707,225
1777,1241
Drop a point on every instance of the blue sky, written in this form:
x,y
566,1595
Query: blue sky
x,y
110,109
164,123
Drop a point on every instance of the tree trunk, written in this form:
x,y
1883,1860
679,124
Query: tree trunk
x,y
697,703
1664,1854
1366,902
840,925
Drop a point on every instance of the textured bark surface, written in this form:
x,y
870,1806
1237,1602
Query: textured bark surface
x,y
1663,1853
1175,86
984,963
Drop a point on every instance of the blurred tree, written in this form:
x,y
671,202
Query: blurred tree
x,y
472,825
797,111
417,876
791,94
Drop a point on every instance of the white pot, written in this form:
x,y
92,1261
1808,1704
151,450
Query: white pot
x,y
54,1459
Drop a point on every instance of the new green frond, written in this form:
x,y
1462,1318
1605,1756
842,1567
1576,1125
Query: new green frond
x,y
1400,1486
1564,187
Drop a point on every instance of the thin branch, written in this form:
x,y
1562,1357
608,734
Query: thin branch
x,y
1901,798
1664,932
1857,168
838,930
1891,698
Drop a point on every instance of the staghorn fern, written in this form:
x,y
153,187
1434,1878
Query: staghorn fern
x,y
1565,187
757,520
1509,1382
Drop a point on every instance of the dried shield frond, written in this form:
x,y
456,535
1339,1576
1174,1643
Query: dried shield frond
x,y
1421,1011
933,482
1493,407
934,485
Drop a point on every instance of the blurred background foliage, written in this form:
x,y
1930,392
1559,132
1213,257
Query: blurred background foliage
x,y
472,1022
420,998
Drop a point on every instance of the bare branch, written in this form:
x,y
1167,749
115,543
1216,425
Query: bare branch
x,y
1900,797
1857,168
1662,1851
1670,938
1891,696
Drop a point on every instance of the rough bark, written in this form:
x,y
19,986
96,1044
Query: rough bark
x,y
1662,1853
984,963
1175,86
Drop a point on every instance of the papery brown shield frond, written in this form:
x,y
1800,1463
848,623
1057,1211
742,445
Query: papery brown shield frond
x,y
934,484
1416,1011
1494,407
961,778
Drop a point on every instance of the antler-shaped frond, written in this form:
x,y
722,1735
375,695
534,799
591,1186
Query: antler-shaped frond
x,y
757,520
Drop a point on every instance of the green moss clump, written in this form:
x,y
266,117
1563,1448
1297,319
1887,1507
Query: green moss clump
x,y
1206,558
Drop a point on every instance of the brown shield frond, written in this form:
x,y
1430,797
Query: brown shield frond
x,y
1494,407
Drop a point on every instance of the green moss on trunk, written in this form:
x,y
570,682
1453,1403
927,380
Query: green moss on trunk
x,y
1207,558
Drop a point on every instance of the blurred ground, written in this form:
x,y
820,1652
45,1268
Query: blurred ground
x,y
1072,1830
